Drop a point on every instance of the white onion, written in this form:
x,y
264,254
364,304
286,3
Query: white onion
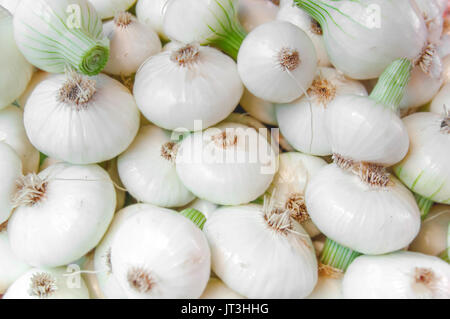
x,y
216,289
158,253
432,238
175,88
90,278
261,253
368,218
10,172
252,13
277,62
93,125
260,109
229,164
46,283
12,132
425,169
131,43
302,122
432,14
109,8
328,287
147,169
37,78
203,206
151,12
16,71
11,267
441,101
399,275
10,5
61,214
289,12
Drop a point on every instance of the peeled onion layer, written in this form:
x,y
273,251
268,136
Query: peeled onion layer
x,y
47,283
400,275
147,169
16,70
216,289
229,164
189,88
432,238
10,172
363,130
277,62
61,214
158,253
241,242
368,219
425,168
302,121
86,130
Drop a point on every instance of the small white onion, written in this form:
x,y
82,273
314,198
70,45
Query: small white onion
x,y
367,218
131,43
93,125
47,283
425,169
147,169
109,8
11,267
216,289
364,130
302,122
15,72
277,62
261,253
441,101
61,214
432,14
158,253
37,78
252,13
229,164
291,13
10,5
203,206
151,12
175,88
401,275
260,109
10,172
432,238
12,132
328,287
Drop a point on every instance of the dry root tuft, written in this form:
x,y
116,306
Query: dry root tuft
x,y
169,151
425,61
297,207
323,90
123,19
186,55
331,272
315,27
77,91
225,139
140,280
3,226
42,285
30,190
289,59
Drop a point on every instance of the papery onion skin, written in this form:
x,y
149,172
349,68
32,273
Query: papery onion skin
x,y
368,219
70,217
10,171
393,277
165,249
16,71
425,168
290,265
95,132
432,238
173,95
260,62
147,175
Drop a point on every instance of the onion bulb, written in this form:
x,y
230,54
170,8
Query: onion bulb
x,y
47,283
16,71
12,132
242,238
81,120
109,8
61,214
277,62
441,102
252,13
260,109
229,164
302,122
10,5
401,275
37,78
131,43
207,208
173,89
432,238
329,285
151,12
158,253
10,172
216,289
147,169
433,16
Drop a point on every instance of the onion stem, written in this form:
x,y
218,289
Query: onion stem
x,y
424,205
337,256
392,83
195,216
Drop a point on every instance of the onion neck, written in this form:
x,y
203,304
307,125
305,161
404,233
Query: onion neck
x,y
424,205
391,85
194,216
337,256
